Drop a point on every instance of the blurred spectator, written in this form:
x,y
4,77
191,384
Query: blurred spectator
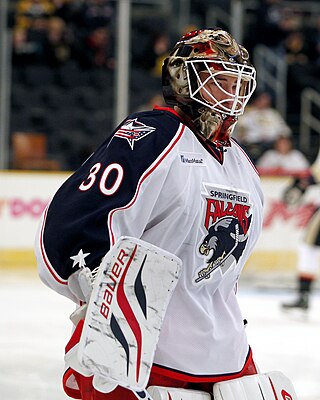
x,y
283,158
24,51
57,46
29,10
296,48
302,71
97,49
260,125
37,32
93,14
66,9
149,41
161,48
268,30
307,73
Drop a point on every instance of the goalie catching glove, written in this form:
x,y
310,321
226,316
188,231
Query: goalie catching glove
x,y
293,194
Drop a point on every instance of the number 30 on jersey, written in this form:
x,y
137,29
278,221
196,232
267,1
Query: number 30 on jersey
x,y
105,189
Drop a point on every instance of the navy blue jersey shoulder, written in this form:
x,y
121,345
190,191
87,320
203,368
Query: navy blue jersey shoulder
x,y
78,214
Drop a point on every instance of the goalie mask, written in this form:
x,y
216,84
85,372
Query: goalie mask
x,y
210,78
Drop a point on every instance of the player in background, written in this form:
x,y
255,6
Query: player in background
x,y
309,249
173,177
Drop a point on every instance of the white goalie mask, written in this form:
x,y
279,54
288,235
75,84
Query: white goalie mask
x,y
209,76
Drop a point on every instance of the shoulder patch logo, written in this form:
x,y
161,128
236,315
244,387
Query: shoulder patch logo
x,y
133,130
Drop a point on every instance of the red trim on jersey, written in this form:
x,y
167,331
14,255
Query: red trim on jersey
x,y
249,368
160,376
171,110
44,256
143,178
247,157
216,152
218,155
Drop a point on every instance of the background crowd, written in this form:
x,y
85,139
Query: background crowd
x,y
64,63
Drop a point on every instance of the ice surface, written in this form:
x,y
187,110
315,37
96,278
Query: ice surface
x,y
35,327
284,341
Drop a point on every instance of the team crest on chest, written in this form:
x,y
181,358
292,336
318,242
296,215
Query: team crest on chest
x,y
134,130
226,222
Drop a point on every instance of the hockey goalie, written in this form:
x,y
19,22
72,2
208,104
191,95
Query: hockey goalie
x,y
150,235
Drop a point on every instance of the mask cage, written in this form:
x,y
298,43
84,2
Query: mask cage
x,y
229,102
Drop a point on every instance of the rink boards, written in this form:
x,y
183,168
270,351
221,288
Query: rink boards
x,y
24,196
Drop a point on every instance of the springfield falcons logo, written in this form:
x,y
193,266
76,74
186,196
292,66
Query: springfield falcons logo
x,y
133,130
227,219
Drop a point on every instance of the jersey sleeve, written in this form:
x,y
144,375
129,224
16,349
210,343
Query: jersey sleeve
x,y
78,227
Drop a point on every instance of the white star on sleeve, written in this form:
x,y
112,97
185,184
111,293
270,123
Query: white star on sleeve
x,y
79,259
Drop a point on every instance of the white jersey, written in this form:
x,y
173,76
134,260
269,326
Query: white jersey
x,y
158,181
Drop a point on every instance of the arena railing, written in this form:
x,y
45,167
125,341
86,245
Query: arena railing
x,y
310,99
272,75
